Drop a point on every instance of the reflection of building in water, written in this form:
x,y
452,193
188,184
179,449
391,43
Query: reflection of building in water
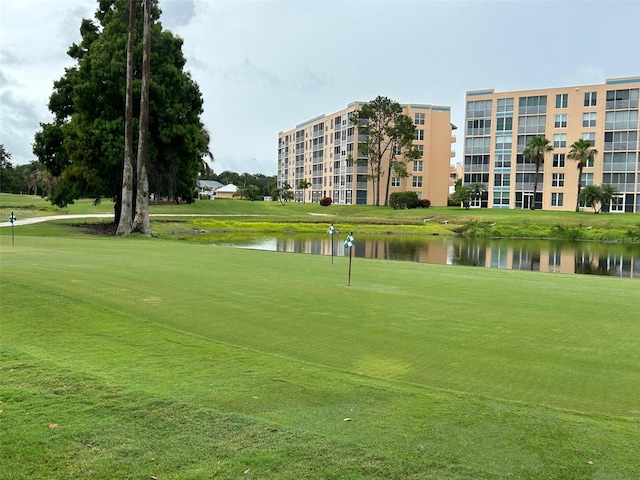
x,y
532,255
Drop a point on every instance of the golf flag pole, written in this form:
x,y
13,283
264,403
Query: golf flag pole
x,y
12,219
331,232
349,243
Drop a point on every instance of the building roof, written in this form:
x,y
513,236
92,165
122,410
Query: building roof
x,y
210,184
231,188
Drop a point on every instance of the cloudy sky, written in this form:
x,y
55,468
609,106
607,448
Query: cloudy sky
x,y
264,66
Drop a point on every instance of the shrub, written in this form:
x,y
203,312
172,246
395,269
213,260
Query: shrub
x,y
403,200
424,203
325,201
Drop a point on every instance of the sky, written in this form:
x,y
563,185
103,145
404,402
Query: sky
x,y
264,66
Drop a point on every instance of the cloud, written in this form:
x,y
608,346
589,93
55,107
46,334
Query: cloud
x,y
177,13
18,122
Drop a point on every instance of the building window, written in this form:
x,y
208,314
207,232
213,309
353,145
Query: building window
x,y
502,180
420,148
621,120
620,141
562,100
532,105
557,199
558,160
559,140
586,179
503,160
532,124
557,180
501,198
417,165
505,105
589,119
504,124
418,119
478,109
561,121
622,99
479,127
503,142
395,181
591,137
590,99
417,182
418,134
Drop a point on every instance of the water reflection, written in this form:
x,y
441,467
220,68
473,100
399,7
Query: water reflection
x,y
533,255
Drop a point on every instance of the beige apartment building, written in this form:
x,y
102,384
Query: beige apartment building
x,y
498,125
319,151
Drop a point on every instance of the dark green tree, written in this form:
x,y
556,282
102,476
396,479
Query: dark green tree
x,y
390,136
7,172
83,146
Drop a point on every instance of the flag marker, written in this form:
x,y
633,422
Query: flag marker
x,y
349,243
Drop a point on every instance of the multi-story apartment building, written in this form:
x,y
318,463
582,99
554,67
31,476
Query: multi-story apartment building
x,y
320,151
498,125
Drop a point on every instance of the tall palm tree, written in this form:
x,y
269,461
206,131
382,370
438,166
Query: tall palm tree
x,y
536,150
582,152
303,184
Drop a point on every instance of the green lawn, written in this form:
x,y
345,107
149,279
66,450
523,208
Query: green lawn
x,y
220,215
164,359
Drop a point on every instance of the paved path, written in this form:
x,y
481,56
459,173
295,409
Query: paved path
x,y
32,220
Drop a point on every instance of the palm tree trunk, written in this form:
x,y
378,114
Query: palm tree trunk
x,y
141,221
125,222
579,187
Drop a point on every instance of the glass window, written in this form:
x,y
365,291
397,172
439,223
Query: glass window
x,y
505,105
504,124
395,181
532,124
503,142
558,160
479,127
559,140
586,179
589,119
560,121
417,182
621,120
532,105
480,108
502,160
418,134
622,99
502,180
591,137
557,199
501,198
562,100
419,119
557,180
417,165
590,99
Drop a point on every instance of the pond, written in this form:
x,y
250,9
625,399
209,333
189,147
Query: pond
x,y
536,255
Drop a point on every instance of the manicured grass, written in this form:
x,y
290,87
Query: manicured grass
x,y
174,360
240,215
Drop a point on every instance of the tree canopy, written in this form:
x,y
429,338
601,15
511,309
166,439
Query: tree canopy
x,y
83,146
389,135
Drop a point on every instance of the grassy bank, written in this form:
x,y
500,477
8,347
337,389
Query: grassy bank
x,y
238,215
139,358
